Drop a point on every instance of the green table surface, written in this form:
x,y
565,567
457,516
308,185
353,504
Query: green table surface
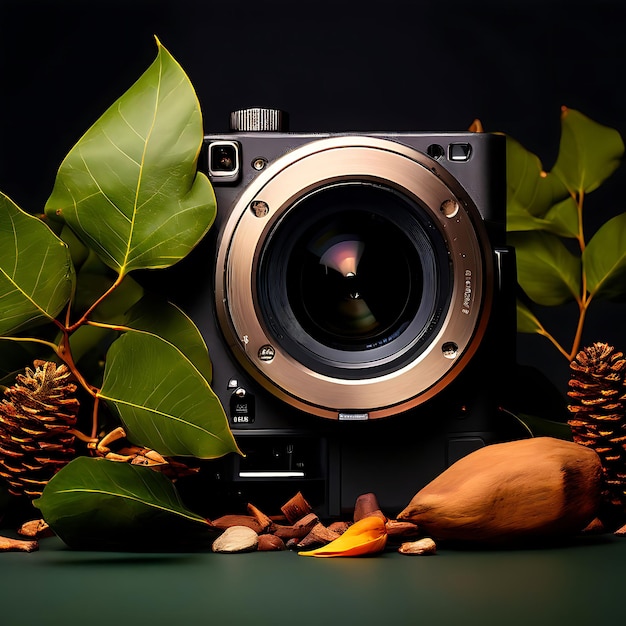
x,y
580,583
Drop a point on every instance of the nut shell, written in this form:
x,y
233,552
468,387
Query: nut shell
x,y
421,547
236,539
270,543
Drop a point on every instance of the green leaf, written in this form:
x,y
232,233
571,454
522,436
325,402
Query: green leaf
x,y
129,188
547,272
93,280
588,152
519,219
530,189
36,272
164,319
604,259
561,219
97,503
527,322
164,402
542,427
78,250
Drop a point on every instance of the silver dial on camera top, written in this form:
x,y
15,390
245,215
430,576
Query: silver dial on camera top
x,y
258,119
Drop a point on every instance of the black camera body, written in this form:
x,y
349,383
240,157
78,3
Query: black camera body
x,y
358,301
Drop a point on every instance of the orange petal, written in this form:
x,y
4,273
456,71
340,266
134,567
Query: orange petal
x,y
367,536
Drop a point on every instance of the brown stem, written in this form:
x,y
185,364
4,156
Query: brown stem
x,y
49,344
94,417
65,353
544,333
80,435
85,316
117,327
584,300
68,310
584,305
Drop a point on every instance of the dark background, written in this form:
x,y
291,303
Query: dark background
x,y
335,66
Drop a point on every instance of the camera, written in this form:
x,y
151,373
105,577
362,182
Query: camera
x,y
358,301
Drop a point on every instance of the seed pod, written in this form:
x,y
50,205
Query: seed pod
x,y
511,491
37,414
597,388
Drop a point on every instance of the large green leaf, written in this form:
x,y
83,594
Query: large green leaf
x,y
527,321
78,250
164,402
93,280
128,306
97,503
588,152
561,219
604,259
548,273
129,188
164,319
529,188
36,272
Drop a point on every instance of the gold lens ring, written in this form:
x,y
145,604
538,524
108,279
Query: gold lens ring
x,y
272,194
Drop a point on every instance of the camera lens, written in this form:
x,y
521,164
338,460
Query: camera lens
x,y
363,285
351,280
354,275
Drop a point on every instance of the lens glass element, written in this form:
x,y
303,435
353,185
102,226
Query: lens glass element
x,y
354,275
354,281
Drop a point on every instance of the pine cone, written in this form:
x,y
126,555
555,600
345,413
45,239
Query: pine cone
x,y
598,414
35,417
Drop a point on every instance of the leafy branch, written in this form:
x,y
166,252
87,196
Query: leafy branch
x,y
557,261
127,197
